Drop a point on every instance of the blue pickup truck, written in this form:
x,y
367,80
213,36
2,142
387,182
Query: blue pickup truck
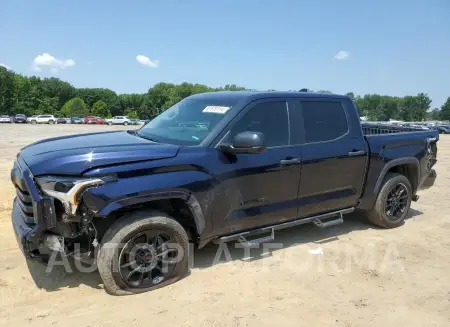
x,y
215,167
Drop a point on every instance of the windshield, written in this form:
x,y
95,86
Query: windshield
x,y
187,122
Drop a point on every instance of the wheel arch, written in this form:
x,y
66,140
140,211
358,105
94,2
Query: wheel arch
x,y
409,167
183,206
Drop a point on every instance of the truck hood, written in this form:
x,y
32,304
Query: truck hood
x,y
75,154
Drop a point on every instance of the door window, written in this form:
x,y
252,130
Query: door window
x,y
269,118
317,121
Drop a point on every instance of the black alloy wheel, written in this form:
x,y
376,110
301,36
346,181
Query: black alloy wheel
x,y
393,202
143,251
396,202
147,259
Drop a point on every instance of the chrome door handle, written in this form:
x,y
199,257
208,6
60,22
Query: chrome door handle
x,y
288,162
355,153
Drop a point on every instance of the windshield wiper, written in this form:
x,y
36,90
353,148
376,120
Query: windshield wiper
x,y
142,136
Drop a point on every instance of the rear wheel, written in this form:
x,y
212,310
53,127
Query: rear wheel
x,y
125,123
51,122
143,251
393,202
34,122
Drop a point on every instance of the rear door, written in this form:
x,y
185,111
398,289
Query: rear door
x,y
259,189
334,154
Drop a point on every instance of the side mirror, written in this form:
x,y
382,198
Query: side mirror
x,y
246,143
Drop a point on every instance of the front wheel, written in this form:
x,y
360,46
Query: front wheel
x,y
143,251
125,123
393,202
33,122
51,122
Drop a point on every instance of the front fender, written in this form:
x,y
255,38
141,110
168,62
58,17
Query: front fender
x,y
194,187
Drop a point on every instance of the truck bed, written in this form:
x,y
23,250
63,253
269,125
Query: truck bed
x,y
377,128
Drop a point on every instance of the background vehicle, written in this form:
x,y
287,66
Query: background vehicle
x,y
118,120
90,120
30,118
5,119
42,119
441,129
219,166
61,121
134,121
19,118
99,121
76,120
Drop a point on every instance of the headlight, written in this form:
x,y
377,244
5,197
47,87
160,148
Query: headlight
x,y
68,189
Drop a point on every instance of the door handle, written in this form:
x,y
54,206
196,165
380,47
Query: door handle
x,y
355,153
288,162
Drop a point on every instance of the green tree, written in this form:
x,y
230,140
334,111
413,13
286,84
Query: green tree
x,y
33,95
445,110
351,95
100,109
132,114
91,96
6,91
74,108
434,114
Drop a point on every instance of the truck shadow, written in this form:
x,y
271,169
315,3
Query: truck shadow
x,y
66,272
60,276
213,254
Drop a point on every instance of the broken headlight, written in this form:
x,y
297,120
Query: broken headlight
x,y
68,189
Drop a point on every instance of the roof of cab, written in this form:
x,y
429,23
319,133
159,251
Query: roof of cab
x,y
255,95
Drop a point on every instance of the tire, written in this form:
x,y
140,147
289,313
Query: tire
x,y
124,230
109,123
378,215
125,123
51,122
34,122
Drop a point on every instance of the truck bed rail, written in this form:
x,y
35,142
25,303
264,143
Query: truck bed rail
x,y
375,128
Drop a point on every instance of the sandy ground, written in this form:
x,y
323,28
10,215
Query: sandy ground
x,y
347,275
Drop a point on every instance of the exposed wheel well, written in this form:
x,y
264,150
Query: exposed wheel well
x,y
409,171
176,208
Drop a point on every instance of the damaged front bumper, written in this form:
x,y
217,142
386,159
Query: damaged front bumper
x,y
32,214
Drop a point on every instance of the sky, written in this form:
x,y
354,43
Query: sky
x,y
391,47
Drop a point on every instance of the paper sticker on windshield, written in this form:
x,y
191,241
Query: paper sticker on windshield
x,y
216,109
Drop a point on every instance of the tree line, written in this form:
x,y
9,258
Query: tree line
x,y
34,95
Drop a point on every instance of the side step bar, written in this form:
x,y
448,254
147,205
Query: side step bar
x,y
322,221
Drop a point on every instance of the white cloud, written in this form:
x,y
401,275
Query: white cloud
x,y
3,65
46,60
146,61
342,55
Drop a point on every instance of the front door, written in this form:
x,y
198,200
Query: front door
x,y
260,189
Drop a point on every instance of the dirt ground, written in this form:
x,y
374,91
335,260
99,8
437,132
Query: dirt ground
x,y
347,275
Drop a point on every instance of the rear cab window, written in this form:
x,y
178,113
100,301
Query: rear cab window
x,y
315,121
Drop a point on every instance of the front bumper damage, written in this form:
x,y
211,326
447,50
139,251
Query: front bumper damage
x,y
32,214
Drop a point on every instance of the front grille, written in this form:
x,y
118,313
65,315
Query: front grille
x,y
25,204
24,199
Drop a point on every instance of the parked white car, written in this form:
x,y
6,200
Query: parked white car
x,y
118,120
5,119
42,119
